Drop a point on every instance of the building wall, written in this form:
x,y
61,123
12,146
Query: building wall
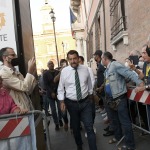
x,y
138,16
45,49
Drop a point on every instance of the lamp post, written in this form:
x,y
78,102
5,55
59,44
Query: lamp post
x,y
63,45
53,20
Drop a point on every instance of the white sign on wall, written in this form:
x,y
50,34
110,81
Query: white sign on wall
x,y
7,29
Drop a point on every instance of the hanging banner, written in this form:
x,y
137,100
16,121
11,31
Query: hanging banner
x,y
7,28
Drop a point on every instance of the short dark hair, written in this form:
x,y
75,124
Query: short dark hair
x,y
82,58
98,52
72,52
63,61
108,55
3,51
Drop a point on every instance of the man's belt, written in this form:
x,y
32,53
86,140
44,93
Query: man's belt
x,y
78,101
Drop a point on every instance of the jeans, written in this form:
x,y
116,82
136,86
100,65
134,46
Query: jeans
x,y
93,111
82,111
45,103
121,120
53,104
109,114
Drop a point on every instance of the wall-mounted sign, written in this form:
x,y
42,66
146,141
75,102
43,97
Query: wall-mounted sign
x,y
7,28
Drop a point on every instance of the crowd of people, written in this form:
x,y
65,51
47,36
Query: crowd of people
x,y
72,88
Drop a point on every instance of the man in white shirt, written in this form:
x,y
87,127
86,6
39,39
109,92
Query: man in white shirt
x,y
81,61
76,88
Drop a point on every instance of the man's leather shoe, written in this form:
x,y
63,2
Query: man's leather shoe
x,y
79,147
109,133
106,129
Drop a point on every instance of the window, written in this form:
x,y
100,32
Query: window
x,y
97,33
118,18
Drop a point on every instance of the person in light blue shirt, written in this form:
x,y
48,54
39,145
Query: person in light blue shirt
x,y
116,76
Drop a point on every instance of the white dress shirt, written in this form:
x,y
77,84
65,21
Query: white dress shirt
x,y
92,76
67,87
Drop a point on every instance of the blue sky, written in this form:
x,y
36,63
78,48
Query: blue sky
x,y
61,8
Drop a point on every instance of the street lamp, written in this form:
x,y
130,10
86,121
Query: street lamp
x,y
53,20
63,45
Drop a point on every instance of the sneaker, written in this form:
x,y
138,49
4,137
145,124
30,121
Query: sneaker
x,y
60,123
124,147
57,127
106,118
104,115
111,141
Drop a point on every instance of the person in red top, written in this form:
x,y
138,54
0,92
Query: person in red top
x,y
7,104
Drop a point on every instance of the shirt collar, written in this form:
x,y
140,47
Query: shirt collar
x,y
10,70
108,65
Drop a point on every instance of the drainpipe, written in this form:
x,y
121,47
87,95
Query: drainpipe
x,y
86,16
87,28
104,20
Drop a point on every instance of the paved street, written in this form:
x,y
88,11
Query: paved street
x,y
61,140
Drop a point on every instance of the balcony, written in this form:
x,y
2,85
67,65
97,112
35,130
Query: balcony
x,y
75,5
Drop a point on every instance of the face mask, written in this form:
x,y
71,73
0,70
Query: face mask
x,y
15,62
102,63
126,64
140,64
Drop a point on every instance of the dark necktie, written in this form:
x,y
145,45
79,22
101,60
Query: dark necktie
x,y
78,87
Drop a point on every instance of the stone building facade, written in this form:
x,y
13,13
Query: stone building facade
x,y
44,42
118,26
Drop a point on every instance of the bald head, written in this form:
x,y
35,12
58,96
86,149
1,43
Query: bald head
x,y
50,65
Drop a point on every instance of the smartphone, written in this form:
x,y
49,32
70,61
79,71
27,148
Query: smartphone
x,y
135,59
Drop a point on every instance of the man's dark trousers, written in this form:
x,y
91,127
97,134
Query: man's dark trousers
x,y
82,111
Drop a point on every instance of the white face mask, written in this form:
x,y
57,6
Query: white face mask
x,y
102,63
140,64
126,64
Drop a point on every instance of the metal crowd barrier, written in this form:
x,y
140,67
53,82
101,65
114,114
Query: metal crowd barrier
x,y
14,120
140,99
135,100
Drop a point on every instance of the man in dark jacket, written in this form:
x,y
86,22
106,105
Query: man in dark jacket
x,y
101,93
146,77
51,89
100,74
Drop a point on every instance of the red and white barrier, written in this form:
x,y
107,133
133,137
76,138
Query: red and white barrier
x,y
14,128
143,97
